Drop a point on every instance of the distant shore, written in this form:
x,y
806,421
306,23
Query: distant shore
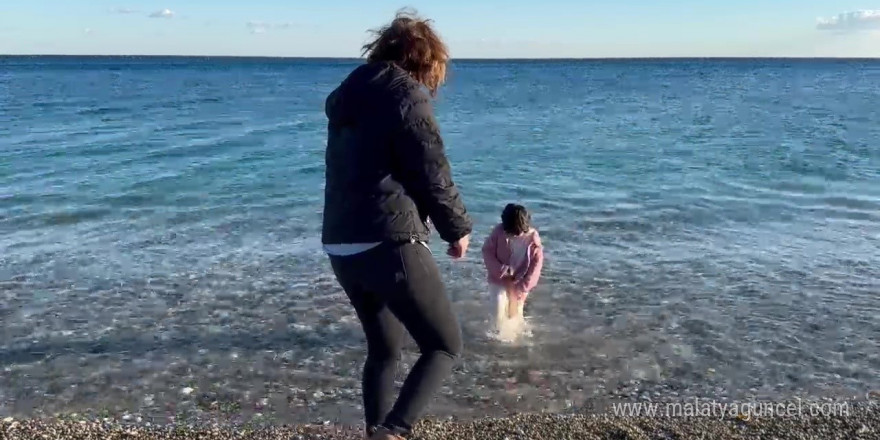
x,y
862,423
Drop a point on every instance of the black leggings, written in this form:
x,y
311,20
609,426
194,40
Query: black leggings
x,y
397,288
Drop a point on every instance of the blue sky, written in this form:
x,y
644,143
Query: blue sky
x,y
485,28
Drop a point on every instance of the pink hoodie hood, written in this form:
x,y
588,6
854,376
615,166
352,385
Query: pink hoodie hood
x,y
497,257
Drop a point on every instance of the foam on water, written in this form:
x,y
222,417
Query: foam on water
x,y
516,330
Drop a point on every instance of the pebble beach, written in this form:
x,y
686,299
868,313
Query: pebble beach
x,y
862,423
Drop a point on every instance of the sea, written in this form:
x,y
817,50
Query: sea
x,y
711,231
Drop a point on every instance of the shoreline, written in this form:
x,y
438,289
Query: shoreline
x,y
863,422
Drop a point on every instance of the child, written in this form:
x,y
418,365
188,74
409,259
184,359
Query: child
x,y
513,256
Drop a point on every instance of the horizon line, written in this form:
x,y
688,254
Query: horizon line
x,y
282,57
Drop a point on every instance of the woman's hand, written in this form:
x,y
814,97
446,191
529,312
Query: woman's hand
x,y
459,248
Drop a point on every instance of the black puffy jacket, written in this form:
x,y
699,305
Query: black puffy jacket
x,y
386,169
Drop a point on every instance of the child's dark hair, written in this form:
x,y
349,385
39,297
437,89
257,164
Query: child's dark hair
x,y
515,219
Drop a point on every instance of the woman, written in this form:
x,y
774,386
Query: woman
x,y
386,175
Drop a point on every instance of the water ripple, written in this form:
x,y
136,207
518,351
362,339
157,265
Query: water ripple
x,y
711,229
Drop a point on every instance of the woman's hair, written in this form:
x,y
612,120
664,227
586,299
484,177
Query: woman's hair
x,y
413,45
515,219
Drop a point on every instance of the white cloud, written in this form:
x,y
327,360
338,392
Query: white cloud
x,y
261,27
851,21
257,27
165,13
124,11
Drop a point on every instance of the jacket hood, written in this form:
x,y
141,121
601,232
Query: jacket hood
x,y
534,237
358,91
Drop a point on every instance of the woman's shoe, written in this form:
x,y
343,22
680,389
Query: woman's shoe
x,y
385,434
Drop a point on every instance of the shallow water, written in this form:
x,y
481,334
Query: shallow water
x,y
711,229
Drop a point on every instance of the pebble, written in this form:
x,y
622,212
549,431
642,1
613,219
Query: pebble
x,y
862,423
187,391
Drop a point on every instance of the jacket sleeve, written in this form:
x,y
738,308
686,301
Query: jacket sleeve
x,y
425,173
490,257
530,280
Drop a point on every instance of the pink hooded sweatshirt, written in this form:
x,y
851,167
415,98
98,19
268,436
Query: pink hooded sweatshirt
x,y
497,255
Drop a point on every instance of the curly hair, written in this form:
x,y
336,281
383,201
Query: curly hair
x,y
515,219
411,43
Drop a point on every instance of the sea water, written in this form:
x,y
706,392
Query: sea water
x,y
711,228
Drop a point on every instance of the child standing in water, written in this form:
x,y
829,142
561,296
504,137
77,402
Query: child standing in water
x,y
513,256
